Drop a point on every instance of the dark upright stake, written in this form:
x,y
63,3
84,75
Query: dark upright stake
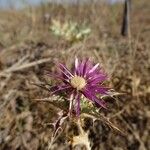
x,y
125,31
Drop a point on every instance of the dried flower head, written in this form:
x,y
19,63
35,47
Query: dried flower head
x,y
84,79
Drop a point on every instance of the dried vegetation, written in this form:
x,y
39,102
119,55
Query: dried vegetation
x,y
27,48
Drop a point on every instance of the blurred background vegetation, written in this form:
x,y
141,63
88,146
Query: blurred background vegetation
x,y
34,35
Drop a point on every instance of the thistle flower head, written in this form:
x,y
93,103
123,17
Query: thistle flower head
x,y
85,79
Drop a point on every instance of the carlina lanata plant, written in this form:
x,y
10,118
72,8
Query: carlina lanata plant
x,y
83,86
84,79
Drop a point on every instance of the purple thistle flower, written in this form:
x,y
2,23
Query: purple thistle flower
x,y
84,79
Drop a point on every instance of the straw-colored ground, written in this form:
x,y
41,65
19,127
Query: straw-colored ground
x,y
27,48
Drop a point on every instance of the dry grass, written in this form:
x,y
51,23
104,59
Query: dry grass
x,y
27,48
